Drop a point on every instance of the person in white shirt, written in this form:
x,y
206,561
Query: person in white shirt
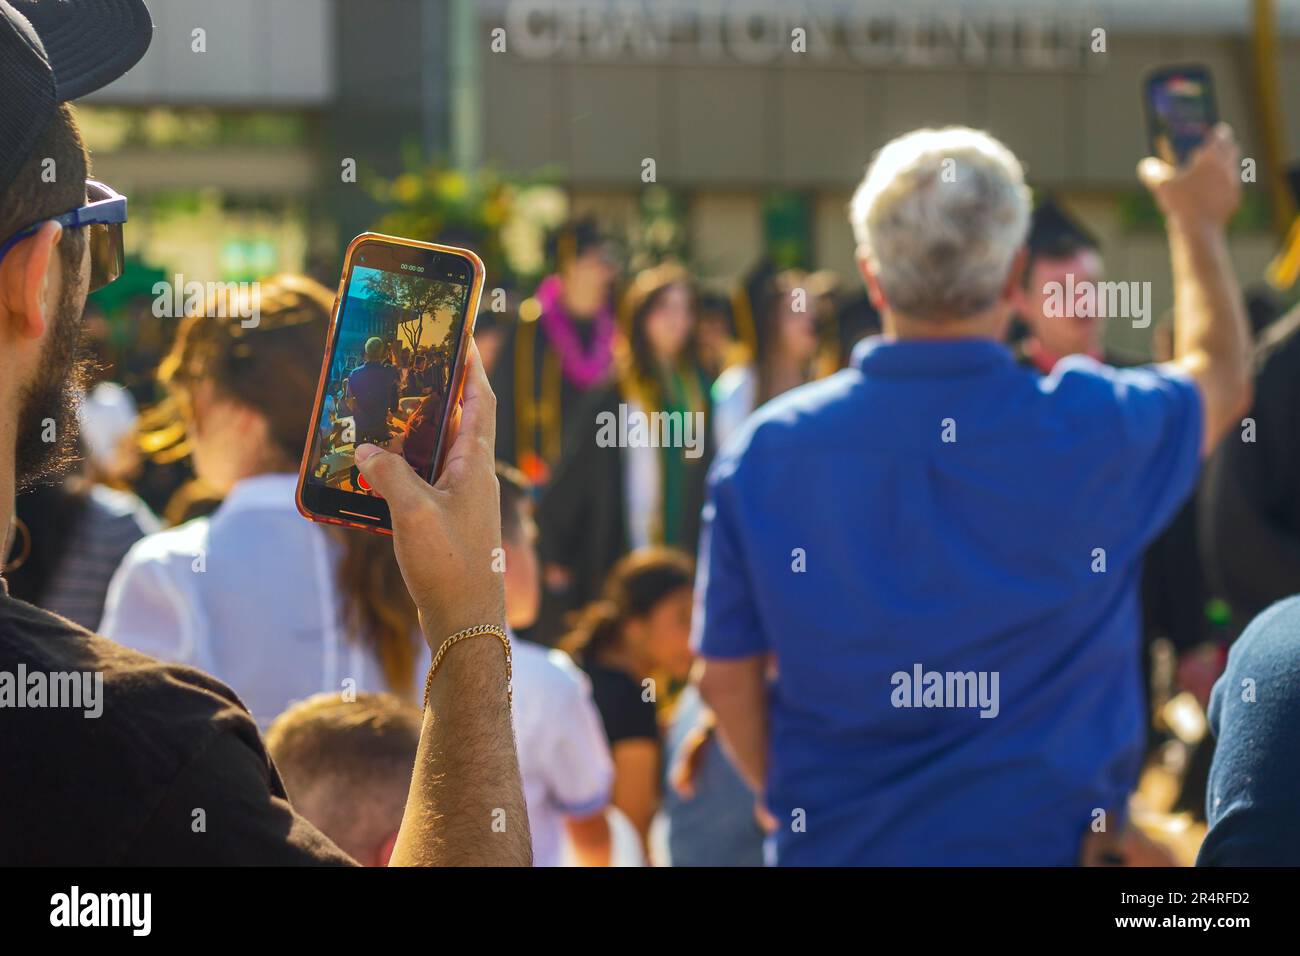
x,y
275,606
787,352
563,757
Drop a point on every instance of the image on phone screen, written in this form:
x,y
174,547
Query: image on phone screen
x,y
1182,113
391,370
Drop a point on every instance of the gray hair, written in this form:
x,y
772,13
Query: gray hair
x,y
939,217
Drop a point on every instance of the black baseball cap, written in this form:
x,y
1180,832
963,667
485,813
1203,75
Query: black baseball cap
x,y
52,51
1052,229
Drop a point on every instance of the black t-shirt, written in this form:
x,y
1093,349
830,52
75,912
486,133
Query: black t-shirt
x,y
624,712
171,772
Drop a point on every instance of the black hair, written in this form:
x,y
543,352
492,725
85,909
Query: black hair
x,y
634,588
50,182
1054,234
715,303
573,240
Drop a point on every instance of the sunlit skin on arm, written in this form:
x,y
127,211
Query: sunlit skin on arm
x,y
736,690
466,802
1211,335
590,839
636,782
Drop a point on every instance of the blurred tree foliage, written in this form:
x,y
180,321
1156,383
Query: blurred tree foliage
x,y
506,220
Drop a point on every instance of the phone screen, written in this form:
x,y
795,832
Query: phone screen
x,y
401,319
1180,110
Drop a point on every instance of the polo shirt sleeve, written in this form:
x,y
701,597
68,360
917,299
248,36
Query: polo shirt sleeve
x,y
725,623
1148,423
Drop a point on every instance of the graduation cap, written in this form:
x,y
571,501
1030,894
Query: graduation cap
x,y
1054,233
575,238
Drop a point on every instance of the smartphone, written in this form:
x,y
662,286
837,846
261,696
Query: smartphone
x,y
1180,110
393,371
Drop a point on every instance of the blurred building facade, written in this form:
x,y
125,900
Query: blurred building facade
x,y
757,116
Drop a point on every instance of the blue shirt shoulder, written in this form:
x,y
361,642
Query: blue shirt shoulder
x,y
1253,798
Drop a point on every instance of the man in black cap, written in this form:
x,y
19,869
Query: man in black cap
x,y
110,757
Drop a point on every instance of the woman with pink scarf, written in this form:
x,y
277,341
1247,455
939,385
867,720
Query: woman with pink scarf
x,y
560,351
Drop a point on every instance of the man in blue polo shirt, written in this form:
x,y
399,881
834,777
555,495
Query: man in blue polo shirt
x,y
917,600
373,388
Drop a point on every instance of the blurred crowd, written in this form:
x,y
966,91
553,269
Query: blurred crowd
x,y
179,537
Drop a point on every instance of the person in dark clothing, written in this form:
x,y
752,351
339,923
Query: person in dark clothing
x,y
373,390
1248,505
169,738
1253,801
421,443
614,489
561,349
112,757
718,344
1250,497
420,381
70,539
632,640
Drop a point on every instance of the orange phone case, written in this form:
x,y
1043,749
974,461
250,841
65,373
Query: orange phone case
x,y
458,373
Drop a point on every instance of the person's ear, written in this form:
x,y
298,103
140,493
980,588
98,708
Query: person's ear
x,y
874,292
25,280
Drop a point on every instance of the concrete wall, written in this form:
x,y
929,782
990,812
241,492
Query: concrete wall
x,y
815,124
258,53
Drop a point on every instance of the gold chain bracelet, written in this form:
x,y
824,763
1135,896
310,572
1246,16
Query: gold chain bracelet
x,y
475,631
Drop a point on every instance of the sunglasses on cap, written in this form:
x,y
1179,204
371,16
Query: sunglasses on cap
x,y
102,217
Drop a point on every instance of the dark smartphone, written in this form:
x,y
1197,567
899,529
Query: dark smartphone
x,y
1180,110
393,371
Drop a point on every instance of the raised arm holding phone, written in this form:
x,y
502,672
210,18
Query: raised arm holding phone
x,y
466,772
161,764
1211,334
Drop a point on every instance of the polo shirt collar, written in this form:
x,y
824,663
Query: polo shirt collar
x,y
929,358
